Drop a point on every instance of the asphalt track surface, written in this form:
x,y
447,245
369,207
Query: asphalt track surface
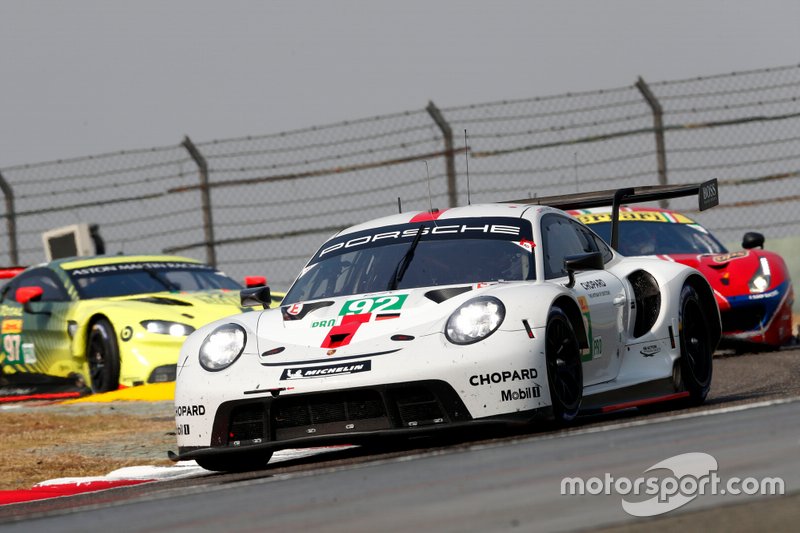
x,y
751,426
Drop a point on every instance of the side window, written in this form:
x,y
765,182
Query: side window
x,y
53,288
593,243
562,238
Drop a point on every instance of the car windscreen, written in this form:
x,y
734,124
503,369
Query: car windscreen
x,y
453,251
125,279
656,238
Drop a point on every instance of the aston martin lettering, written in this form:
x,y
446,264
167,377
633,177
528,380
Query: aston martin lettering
x,y
325,371
501,377
126,267
526,393
593,284
190,410
452,229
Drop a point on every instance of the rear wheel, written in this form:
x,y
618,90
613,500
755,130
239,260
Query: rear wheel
x,y
564,367
696,350
102,353
236,462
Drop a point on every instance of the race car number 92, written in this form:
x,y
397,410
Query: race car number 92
x,y
373,305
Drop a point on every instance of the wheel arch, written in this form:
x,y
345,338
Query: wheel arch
x,y
573,312
81,339
709,303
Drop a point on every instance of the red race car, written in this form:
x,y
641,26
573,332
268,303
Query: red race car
x,y
752,286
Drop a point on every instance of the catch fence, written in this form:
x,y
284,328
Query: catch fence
x,y
263,204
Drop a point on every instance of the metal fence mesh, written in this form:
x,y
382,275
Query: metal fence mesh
x,y
275,198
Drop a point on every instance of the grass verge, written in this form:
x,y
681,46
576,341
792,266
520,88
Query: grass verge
x,y
38,446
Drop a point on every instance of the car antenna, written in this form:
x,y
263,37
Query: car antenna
x,y
399,205
466,158
430,198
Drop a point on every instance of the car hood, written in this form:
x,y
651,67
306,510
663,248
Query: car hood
x,y
198,307
357,323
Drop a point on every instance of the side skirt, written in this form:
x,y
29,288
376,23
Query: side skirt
x,y
651,392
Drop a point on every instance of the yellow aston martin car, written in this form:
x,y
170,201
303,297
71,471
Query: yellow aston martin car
x,y
110,321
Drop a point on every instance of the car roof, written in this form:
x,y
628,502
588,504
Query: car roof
x,y
467,211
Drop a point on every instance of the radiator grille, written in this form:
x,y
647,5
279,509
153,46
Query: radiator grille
x,y
743,318
418,406
317,409
247,423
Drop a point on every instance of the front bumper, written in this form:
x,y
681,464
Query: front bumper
x,y
352,416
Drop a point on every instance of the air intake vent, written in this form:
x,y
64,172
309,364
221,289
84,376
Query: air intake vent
x,y
648,301
247,424
745,318
336,412
418,406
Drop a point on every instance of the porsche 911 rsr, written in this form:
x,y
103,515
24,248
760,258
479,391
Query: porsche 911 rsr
x,y
752,286
108,321
423,322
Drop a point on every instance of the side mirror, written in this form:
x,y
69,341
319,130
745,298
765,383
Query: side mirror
x,y
589,261
255,296
28,294
254,281
752,239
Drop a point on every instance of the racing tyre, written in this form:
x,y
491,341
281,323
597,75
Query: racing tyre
x,y
102,353
696,350
564,367
238,462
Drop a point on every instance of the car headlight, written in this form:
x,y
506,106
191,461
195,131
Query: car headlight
x,y
475,320
165,327
222,347
760,281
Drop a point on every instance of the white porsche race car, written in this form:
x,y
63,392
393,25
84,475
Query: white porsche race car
x,y
422,322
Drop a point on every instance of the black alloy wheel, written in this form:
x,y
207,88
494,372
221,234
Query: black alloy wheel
x,y
102,354
696,352
564,367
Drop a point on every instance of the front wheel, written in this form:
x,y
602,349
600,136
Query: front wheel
x,y
696,350
564,367
102,353
236,462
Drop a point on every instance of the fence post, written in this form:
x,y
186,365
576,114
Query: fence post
x,y
11,220
658,127
447,133
205,198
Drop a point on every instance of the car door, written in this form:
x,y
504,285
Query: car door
x,y
600,294
35,337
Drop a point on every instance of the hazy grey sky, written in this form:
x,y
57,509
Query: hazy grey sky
x,y
84,77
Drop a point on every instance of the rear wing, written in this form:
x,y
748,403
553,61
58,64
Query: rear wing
x,y
707,197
